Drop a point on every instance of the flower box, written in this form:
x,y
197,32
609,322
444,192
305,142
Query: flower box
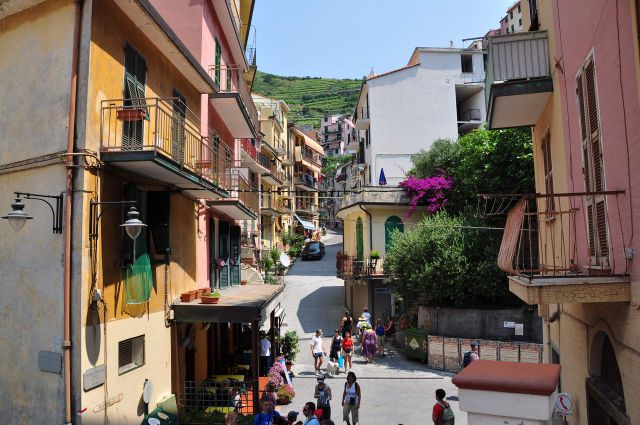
x,y
209,300
187,297
133,114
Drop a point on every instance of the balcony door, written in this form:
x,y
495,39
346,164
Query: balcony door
x,y
177,126
234,253
359,239
392,223
224,251
593,165
135,75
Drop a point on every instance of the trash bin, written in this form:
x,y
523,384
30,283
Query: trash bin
x,y
416,343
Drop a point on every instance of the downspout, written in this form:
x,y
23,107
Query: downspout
x,y
69,163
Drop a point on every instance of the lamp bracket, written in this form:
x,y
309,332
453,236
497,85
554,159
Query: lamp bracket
x,y
94,216
56,212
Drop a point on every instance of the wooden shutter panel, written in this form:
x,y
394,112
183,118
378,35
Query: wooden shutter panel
x,y
218,61
177,126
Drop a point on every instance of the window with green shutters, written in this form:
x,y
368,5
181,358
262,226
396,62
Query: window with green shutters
x,y
135,75
392,223
359,239
218,61
177,126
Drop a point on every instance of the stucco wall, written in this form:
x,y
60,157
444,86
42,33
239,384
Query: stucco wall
x,y
36,47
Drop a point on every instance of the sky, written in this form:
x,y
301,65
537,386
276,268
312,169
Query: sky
x,y
346,38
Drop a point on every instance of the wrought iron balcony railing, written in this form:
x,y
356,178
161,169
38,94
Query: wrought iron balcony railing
x,y
349,266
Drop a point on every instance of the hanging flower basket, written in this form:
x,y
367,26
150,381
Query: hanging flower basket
x,y
133,114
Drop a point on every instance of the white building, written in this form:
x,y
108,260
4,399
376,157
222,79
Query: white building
x,y
438,94
512,22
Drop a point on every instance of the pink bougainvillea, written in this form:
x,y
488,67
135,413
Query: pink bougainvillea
x,y
431,190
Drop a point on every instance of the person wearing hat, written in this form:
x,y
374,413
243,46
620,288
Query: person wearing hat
x,y
366,314
369,342
317,350
322,394
292,417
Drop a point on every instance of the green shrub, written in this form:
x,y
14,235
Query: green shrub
x,y
290,345
271,279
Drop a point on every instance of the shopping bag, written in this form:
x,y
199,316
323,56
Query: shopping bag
x,y
340,360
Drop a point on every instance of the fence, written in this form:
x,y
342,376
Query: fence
x,y
222,396
444,353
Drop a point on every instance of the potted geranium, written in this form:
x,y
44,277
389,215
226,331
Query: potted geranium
x,y
211,297
286,393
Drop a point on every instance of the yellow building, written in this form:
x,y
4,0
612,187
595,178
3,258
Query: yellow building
x,y
94,306
276,185
307,173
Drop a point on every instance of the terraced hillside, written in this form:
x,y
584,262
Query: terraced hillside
x,y
309,97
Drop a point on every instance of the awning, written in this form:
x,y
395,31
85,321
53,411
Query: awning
x,y
306,224
239,304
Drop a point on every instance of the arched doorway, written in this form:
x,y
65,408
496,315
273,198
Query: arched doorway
x,y
392,223
359,239
605,392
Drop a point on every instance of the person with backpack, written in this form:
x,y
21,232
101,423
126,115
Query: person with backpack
x,y
442,413
268,413
380,336
351,398
472,355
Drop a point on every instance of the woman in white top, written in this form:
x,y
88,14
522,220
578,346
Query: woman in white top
x,y
351,398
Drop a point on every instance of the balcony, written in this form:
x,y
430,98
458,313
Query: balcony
x,y
274,176
468,120
518,82
233,102
375,195
306,182
273,205
361,119
566,248
306,208
350,267
159,139
243,201
249,153
307,158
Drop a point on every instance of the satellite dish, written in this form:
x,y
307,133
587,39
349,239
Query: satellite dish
x,y
147,391
284,259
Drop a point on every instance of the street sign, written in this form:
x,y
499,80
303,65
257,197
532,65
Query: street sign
x,y
510,324
382,291
564,404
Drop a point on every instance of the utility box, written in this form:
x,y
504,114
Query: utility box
x,y
416,343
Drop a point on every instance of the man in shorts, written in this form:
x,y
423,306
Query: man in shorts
x,y
317,350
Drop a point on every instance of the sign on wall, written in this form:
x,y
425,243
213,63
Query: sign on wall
x,y
564,404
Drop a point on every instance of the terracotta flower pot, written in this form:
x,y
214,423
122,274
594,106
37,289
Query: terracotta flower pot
x,y
135,114
187,297
243,282
209,300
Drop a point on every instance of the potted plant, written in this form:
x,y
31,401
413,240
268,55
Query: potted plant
x,y
290,347
187,297
211,297
286,393
243,282
374,255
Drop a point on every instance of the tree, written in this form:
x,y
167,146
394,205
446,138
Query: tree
x,y
447,260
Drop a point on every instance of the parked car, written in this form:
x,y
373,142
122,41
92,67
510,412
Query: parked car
x,y
313,250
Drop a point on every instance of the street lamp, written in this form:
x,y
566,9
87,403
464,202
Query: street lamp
x,y
133,225
17,218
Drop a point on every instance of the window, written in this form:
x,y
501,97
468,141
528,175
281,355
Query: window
x,y
158,214
592,162
466,63
130,354
326,119
548,173
520,21
392,223
511,15
135,75
533,13
218,61
512,30
519,9
178,134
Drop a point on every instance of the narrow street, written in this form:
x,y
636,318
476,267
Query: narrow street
x,y
394,390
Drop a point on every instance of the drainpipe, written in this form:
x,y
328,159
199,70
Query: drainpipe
x,y
68,209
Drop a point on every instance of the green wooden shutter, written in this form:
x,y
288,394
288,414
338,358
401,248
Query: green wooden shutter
x,y
392,223
159,217
177,126
218,61
229,76
224,253
235,255
359,239
135,71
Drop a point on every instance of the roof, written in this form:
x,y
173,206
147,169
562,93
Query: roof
x,y
509,377
309,141
238,304
392,72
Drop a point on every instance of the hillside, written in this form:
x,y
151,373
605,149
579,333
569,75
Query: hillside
x,y
309,97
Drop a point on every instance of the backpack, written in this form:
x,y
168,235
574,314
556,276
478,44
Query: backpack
x,y
466,360
448,416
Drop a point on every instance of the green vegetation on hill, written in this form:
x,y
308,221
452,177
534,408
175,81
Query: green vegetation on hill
x,y
310,97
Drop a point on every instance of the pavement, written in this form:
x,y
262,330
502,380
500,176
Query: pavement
x,y
395,390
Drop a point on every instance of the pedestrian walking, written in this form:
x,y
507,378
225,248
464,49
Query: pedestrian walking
x,y
362,321
292,417
351,399
389,329
346,324
471,356
366,314
347,349
317,350
267,413
322,394
368,344
380,335
309,413
336,346
442,413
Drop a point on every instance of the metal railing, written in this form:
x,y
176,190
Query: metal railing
x,y
164,125
564,235
249,148
306,180
240,189
231,80
351,266
225,395
306,207
470,115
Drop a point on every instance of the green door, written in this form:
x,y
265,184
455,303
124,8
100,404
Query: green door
x,y
224,249
234,255
393,223
359,239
